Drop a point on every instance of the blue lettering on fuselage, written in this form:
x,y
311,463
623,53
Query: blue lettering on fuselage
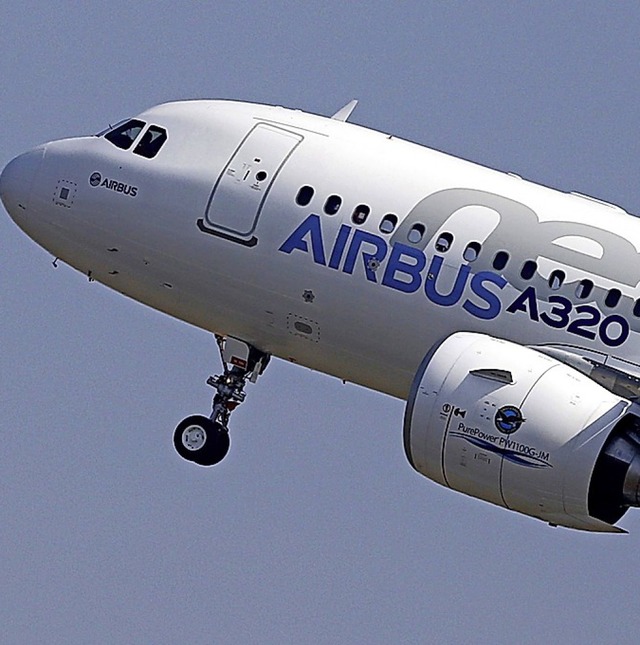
x,y
406,268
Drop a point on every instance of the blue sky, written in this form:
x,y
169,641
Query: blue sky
x,y
315,528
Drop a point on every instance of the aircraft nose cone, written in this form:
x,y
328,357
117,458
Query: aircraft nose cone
x,y
17,179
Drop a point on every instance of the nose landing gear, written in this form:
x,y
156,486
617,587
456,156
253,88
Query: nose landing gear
x,y
205,441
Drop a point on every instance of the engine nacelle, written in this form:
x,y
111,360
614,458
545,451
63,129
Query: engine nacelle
x,y
512,426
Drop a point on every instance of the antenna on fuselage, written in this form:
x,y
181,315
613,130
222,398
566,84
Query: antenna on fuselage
x,y
344,113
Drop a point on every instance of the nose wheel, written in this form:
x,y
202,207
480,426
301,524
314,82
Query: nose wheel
x,y
201,440
205,440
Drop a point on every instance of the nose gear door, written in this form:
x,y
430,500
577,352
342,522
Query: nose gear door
x,y
240,191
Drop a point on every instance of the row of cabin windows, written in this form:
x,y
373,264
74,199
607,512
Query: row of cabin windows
x,y
583,289
333,203
471,252
556,277
389,222
360,213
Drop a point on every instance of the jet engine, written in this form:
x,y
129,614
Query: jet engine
x,y
515,427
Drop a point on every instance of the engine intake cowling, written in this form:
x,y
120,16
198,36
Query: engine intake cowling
x,y
515,427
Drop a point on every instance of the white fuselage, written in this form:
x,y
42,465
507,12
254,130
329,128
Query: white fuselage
x,y
205,238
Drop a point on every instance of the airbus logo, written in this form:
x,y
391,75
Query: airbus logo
x,y
485,294
508,419
96,179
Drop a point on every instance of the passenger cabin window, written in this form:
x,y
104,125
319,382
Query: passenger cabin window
x,y
444,242
388,223
584,289
556,279
124,135
529,269
332,205
151,142
500,260
360,214
304,196
416,233
472,251
612,298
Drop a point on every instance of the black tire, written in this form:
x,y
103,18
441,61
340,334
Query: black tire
x,y
201,440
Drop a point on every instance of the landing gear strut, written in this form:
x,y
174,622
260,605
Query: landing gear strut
x,y
205,440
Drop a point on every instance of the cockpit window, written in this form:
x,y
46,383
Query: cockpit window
x,y
111,127
124,135
151,142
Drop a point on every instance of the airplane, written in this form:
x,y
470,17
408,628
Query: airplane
x,y
505,313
